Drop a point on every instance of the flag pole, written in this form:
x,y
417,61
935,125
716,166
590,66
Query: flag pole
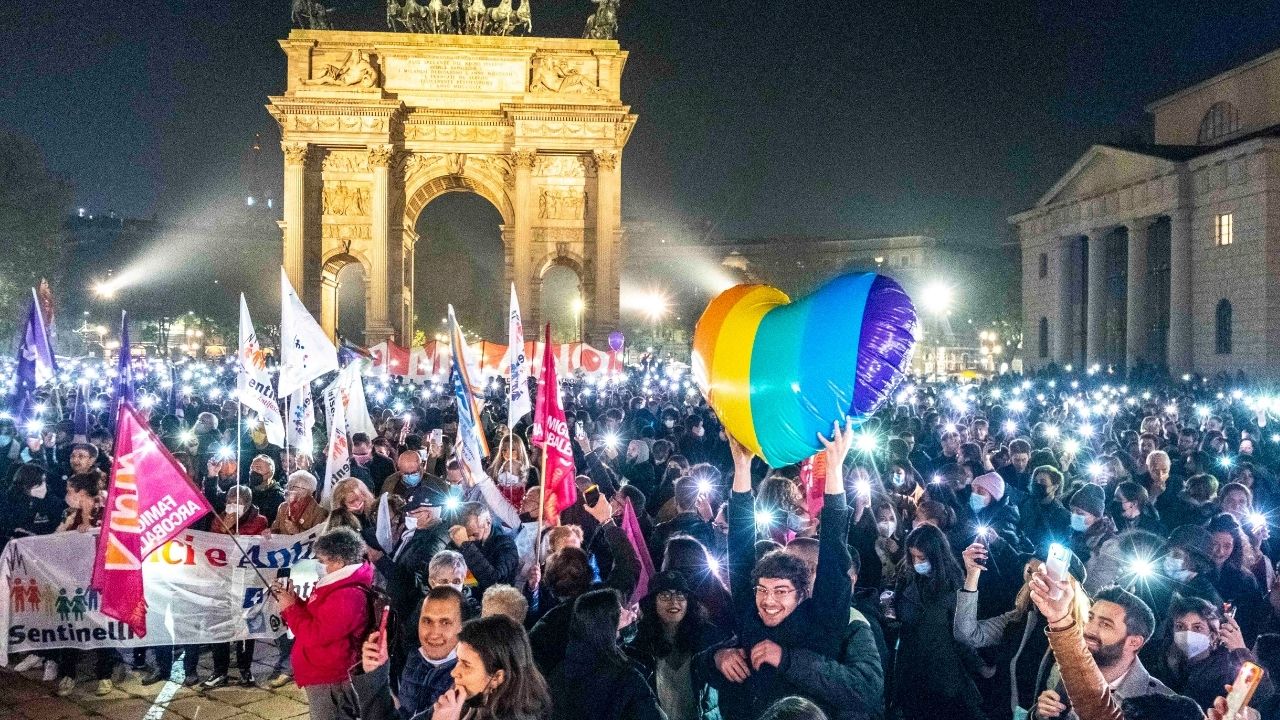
x,y
542,507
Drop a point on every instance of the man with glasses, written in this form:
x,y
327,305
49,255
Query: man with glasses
x,y
784,631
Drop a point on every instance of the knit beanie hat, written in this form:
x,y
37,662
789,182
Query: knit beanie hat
x,y
1090,499
992,483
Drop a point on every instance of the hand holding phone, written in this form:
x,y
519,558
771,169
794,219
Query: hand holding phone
x,y
1057,565
1246,682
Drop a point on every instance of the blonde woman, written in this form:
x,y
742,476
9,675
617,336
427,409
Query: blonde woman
x,y
1018,635
511,458
352,505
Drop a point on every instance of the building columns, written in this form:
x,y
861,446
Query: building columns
x,y
377,324
1063,337
1095,325
1136,316
1180,349
295,206
522,161
329,305
603,308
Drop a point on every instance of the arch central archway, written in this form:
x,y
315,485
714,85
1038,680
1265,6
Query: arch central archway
x,y
535,126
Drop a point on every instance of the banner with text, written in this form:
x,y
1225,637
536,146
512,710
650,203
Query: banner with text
x,y
199,589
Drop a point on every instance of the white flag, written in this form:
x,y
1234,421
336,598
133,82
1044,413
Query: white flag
x,y
351,385
518,374
337,466
302,418
254,381
306,352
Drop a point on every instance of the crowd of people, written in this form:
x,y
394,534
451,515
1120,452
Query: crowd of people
x,y
901,574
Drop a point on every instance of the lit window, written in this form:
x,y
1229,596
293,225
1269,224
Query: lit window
x,y
1223,229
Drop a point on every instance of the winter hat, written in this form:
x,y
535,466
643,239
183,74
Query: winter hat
x,y
1193,539
669,580
992,483
1091,500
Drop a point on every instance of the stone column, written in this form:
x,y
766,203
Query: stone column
x,y
295,212
1063,330
378,320
1095,326
603,307
1180,355
1136,319
522,161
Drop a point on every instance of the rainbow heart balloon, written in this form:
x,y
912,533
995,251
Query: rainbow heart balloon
x,y
778,372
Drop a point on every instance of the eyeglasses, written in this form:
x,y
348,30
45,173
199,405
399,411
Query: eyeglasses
x,y
672,596
775,593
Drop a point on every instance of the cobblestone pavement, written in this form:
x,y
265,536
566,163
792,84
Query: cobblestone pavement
x,y
24,697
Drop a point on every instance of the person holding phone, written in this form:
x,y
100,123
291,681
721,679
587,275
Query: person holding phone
x,y
330,626
1203,652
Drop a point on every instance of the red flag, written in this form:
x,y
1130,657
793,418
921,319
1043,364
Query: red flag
x,y
150,500
551,433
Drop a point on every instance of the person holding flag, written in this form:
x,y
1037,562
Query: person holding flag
x,y
551,435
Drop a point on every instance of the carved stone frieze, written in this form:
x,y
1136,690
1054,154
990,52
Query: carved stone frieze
x,y
524,158
563,76
568,129
345,161
561,204
335,123
358,71
454,133
346,198
560,166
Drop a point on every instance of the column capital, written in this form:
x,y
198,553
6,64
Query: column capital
x,y
295,153
381,156
524,158
605,159
1142,224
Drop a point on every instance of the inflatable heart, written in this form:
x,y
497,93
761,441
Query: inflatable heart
x,y
777,373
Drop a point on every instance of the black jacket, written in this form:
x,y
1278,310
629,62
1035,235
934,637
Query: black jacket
x,y
815,629
586,687
685,523
494,561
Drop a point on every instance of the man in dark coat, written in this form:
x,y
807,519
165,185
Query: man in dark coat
x,y
490,553
687,521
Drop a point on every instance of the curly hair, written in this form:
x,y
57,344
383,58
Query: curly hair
x,y
782,565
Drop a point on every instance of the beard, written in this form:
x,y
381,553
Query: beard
x,y
1106,655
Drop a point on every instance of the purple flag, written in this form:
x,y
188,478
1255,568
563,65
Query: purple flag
x,y
631,528
124,368
36,365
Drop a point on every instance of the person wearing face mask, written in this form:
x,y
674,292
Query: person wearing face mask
x,y
889,549
407,565
694,444
636,468
1090,526
256,446
330,626
1131,509
1044,518
990,506
241,517
267,493
1203,651
408,476
931,666
28,508
299,512
494,678
378,466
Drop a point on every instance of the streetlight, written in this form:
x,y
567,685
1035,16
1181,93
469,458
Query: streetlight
x,y
937,298
578,306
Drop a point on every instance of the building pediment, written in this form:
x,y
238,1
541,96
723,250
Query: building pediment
x,y
1104,168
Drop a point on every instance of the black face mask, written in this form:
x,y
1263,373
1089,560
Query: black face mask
x,y
1039,492
257,478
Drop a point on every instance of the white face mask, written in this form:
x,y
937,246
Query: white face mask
x,y
235,509
38,492
886,528
697,432
1192,644
410,522
669,423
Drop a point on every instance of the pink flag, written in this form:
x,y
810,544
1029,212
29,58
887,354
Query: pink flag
x,y
150,501
631,528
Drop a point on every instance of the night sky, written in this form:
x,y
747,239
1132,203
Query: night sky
x,y
839,118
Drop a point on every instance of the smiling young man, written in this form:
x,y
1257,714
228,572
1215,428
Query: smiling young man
x,y
777,616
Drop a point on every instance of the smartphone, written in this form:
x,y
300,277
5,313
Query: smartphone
x,y
1242,689
983,538
382,622
437,437
1057,564
591,495
1228,611
577,429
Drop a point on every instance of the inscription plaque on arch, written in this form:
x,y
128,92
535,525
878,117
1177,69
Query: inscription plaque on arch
x,y
456,74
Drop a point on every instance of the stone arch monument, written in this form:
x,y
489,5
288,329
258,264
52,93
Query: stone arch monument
x,y
376,125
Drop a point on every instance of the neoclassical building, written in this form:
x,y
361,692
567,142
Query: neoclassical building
x,y
1166,252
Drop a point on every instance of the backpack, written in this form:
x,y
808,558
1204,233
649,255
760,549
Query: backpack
x,y
376,601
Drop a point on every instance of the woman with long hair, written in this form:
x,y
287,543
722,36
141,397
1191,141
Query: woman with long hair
x,y
596,679
673,627
511,458
1231,553
1203,651
1132,509
692,559
931,680
1017,635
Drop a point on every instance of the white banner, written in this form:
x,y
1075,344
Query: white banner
x,y
199,589
302,419
254,383
518,377
337,466
306,352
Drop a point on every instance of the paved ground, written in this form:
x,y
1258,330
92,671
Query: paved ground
x,y
25,697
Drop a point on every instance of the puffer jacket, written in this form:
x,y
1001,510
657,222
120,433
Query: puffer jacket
x,y
329,626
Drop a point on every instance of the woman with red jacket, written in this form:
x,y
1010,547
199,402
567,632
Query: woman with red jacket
x,y
330,626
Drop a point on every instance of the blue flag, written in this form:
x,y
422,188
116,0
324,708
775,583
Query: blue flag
x,y
124,367
36,365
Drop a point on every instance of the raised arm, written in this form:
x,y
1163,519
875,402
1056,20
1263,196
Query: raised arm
x,y
831,587
741,517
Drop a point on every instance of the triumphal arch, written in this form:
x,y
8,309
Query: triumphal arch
x,y
375,125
